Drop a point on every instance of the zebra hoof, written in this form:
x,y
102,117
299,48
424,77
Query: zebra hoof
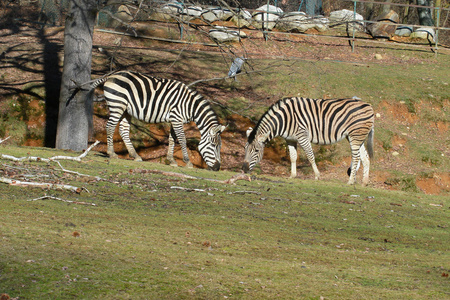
x,y
113,156
138,159
189,165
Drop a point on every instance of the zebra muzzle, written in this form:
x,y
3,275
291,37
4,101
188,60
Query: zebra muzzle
x,y
216,166
245,167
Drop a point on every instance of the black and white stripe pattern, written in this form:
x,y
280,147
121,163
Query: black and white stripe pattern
x,y
154,100
318,121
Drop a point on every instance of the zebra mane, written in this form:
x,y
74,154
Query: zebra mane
x,y
252,135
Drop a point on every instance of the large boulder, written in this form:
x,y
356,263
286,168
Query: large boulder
x,y
224,34
385,25
193,11
425,33
172,8
300,22
340,19
242,19
213,14
404,30
265,17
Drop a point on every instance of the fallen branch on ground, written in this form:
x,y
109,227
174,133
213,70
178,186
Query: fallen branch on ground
x,y
191,190
68,201
232,180
77,173
42,185
5,139
59,157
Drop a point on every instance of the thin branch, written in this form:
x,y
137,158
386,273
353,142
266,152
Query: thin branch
x,y
77,173
5,139
232,180
35,158
42,185
59,199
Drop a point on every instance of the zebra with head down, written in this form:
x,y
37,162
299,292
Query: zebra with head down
x,y
319,121
154,100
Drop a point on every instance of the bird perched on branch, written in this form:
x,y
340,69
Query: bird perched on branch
x,y
236,67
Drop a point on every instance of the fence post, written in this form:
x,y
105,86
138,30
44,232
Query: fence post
x,y
438,15
354,26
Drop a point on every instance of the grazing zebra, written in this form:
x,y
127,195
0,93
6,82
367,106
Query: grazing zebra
x,y
154,100
318,121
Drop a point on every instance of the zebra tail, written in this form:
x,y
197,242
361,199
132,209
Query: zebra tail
x,y
370,143
98,82
92,85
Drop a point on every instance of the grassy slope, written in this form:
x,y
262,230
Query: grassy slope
x,y
269,238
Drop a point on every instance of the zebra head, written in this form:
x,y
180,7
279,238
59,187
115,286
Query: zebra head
x,y
209,146
254,150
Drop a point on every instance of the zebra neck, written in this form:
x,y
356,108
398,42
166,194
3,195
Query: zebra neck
x,y
204,116
268,132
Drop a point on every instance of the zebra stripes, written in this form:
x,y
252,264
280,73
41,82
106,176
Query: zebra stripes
x,y
153,100
319,121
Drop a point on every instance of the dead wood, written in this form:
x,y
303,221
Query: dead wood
x,y
59,199
42,185
232,180
59,157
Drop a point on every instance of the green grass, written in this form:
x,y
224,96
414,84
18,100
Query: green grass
x,y
269,238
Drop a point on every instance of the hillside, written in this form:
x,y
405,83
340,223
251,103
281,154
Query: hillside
x,y
408,88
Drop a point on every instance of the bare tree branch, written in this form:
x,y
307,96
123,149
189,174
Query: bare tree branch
x,y
42,185
232,180
34,158
5,139
59,199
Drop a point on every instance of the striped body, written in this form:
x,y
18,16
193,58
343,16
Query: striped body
x,y
319,121
154,100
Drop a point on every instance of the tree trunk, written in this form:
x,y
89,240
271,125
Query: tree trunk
x,y
75,116
425,17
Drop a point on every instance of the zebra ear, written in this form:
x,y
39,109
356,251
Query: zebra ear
x,y
249,130
218,129
263,138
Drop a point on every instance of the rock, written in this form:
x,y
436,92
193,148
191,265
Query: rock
x,y
242,19
224,34
265,17
344,16
404,30
123,13
216,14
385,26
173,8
193,11
378,56
425,33
300,22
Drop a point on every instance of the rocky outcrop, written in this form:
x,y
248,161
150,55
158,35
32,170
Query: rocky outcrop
x,y
385,25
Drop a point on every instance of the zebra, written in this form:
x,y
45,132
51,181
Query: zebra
x,y
319,121
154,100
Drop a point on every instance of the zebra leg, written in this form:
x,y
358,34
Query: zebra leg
x,y
110,128
292,146
306,146
170,158
124,130
366,164
179,132
355,161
